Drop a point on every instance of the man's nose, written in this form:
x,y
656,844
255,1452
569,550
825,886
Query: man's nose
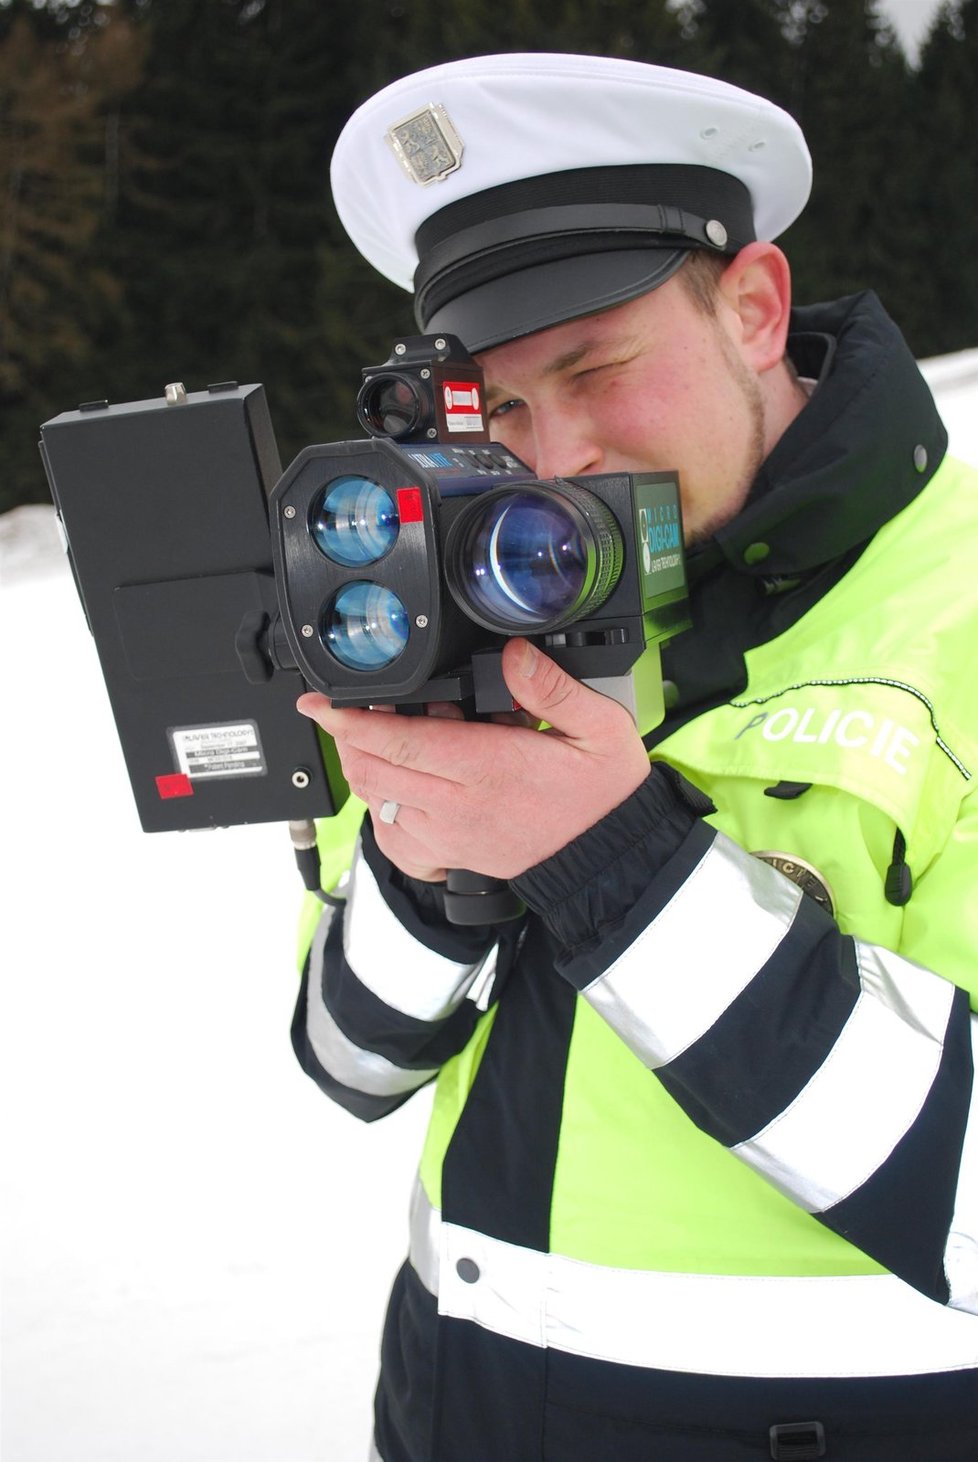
x,y
565,447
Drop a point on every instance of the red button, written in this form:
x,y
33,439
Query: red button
x,y
175,784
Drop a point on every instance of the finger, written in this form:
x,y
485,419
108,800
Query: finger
x,y
547,692
311,703
340,723
436,745
444,711
410,853
376,779
516,718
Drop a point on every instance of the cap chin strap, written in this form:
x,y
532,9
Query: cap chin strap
x,y
504,231
484,252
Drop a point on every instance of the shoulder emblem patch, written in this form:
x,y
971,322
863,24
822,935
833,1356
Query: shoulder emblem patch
x,y
808,879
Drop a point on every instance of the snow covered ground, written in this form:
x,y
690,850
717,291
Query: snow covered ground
x,y
197,1246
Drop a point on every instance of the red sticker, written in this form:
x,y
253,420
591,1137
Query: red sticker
x,y
463,407
462,396
174,784
410,505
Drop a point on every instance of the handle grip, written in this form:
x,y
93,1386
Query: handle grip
x,y
473,898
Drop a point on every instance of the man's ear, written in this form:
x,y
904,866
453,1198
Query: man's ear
x,y
756,290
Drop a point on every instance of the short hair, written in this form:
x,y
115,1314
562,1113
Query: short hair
x,y
700,275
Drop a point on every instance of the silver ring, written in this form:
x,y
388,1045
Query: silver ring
x,y
388,812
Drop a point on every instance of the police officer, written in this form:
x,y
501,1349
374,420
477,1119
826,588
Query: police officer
x,y
701,1179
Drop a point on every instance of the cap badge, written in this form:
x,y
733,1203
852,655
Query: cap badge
x,y
426,144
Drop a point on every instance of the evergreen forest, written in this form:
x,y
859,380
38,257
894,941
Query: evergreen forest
x,y
164,181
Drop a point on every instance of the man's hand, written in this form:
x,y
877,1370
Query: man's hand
x,y
491,798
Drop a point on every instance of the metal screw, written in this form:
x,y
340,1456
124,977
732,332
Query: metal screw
x,y
440,343
175,393
290,512
431,432
308,631
425,374
422,621
300,778
400,349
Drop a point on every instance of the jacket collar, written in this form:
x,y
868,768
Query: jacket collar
x,y
868,441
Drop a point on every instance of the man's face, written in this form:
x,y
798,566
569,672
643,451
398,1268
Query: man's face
x,y
650,386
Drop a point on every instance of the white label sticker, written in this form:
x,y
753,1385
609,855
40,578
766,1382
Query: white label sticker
x,y
463,407
231,750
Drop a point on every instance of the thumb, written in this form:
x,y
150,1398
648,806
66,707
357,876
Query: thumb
x,y
542,688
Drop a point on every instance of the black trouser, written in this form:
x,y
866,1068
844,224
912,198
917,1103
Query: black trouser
x,y
450,1392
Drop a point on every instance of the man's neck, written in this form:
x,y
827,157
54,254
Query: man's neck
x,y
785,397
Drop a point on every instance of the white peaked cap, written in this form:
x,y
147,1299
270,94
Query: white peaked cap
x,y
550,186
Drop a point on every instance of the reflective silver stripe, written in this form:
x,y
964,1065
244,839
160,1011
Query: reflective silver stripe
x,y
881,1068
863,1325
425,1238
361,1070
961,1255
399,970
679,975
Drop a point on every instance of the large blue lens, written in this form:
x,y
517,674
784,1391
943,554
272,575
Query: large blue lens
x,y
365,626
353,521
526,562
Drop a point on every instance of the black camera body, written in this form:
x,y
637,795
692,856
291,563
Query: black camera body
x,y
442,640
404,562
164,509
387,570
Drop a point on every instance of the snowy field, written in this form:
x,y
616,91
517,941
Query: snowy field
x,y
197,1246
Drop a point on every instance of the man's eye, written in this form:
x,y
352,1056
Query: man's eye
x,y
596,370
504,408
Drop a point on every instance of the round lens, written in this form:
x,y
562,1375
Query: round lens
x,y
523,561
365,626
353,521
390,406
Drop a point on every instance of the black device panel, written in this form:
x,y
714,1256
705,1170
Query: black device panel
x,y
164,508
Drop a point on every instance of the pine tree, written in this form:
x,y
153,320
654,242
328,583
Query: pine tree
x,y
234,259
740,41
182,228
946,169
56,93
849,91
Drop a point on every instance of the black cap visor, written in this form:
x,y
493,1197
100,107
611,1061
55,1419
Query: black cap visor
x,y
521,257
549,294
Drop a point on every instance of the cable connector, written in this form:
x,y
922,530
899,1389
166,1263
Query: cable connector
x,y
306,846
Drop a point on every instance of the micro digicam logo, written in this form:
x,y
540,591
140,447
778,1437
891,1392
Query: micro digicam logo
x,y
659,529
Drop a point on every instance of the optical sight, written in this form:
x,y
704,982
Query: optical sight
x,y
429,390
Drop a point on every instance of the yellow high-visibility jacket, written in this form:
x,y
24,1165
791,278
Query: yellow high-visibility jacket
x,y
704,1144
